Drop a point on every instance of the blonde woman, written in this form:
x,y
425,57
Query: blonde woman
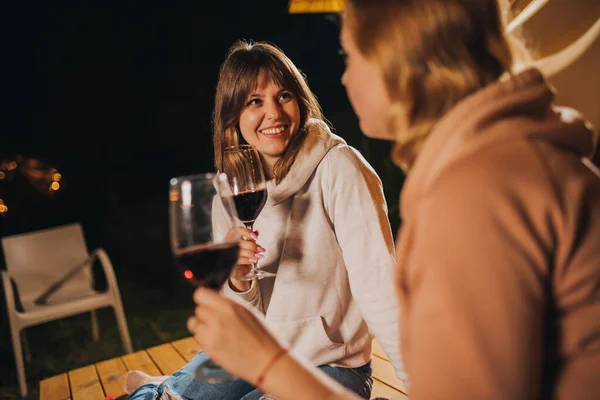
x,y
498,272
324,232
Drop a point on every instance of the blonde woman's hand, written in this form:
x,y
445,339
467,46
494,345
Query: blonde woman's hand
x,y
232,335
250,252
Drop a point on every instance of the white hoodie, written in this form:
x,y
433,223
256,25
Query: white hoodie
x,y
327,236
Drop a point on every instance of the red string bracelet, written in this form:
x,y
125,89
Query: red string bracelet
x,y
267,367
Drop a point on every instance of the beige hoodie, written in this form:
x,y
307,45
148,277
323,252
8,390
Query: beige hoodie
x,y
499,253
327,237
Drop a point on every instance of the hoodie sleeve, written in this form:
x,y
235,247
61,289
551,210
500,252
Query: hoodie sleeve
x,y
358,211
250,297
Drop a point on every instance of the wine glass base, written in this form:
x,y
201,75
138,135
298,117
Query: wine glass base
x,y
257,274
210,372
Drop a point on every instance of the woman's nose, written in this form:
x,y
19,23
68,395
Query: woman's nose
x,y
273,111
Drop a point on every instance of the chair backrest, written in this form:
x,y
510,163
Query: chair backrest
x,y
35,260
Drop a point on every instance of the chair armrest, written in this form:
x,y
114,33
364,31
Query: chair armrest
x,y
8,291
107,266
111,280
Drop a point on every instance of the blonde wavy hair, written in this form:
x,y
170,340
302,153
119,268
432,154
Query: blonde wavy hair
x,y
432,54
238,78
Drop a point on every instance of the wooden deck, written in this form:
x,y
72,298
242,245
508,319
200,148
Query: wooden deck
x,y
103,379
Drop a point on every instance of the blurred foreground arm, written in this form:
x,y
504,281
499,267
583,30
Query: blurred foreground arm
x,y
236,339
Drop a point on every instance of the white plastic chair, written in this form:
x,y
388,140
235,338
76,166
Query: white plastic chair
x,y
51,270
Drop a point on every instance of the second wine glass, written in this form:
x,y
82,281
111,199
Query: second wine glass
x,y
243,167
205,256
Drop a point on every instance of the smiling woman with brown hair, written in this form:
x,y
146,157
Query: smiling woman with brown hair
x,y
498,265
324,232
238,77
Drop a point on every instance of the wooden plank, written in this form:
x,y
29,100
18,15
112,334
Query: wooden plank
x,y
187,347
384,371
140,360
166,358
112,375
85,384
380,389
378,350
55,388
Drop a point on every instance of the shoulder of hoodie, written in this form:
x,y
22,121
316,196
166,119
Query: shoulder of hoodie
x,y
504,170
344,161
341,159
524,161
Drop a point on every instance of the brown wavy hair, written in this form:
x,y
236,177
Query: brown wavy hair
x,y
432,54
238,78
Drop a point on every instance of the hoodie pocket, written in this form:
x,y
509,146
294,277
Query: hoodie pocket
x,y
309,338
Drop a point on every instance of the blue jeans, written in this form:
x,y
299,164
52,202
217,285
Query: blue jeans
x,y
183,384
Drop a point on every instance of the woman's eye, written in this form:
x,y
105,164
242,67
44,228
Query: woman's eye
x,y
253,102
286,96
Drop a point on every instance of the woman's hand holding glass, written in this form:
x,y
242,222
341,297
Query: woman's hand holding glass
x,y
246,176
232,335
250,252
237,339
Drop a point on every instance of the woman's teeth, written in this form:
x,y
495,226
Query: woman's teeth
x,y
273,131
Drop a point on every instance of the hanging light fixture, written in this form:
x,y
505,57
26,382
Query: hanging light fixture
x,y
315,6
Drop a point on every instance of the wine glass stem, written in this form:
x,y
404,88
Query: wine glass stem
x,y
254,266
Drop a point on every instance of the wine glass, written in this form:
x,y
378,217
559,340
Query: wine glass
x,y
204,256
244,170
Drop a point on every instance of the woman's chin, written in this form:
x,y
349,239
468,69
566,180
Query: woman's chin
x,y
376,133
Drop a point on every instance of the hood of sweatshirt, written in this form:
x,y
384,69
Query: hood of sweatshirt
x,y
518,107
319,140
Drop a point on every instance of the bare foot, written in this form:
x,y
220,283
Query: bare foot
x,y
134,379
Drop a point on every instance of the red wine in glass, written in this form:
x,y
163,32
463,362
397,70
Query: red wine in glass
x,y
250,204
243,167
204,256
208,265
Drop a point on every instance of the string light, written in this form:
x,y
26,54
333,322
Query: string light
x,y
45,179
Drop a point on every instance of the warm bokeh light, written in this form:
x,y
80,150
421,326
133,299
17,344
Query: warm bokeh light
x,y
188,274
40,175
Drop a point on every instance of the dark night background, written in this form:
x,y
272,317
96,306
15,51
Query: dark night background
x,y
118,97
